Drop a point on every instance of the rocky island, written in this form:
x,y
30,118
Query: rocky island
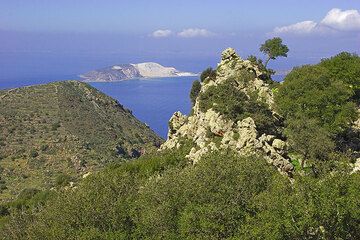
x,y
123,72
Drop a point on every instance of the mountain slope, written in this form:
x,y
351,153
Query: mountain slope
x,y
63,129
132,71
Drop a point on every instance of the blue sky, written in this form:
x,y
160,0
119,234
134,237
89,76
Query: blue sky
x,y
189,34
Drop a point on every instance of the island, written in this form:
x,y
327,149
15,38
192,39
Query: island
x,y
123,72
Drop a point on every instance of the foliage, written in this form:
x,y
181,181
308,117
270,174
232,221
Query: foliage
x,y
307,138
102,206
33,153
311,209
345,67
317,107
224,196
274,48
267,72
195,90
62,180
207,75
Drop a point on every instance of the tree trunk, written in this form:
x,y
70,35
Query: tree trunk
x,y
267,61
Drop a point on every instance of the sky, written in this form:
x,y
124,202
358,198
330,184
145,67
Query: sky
x,y
76,36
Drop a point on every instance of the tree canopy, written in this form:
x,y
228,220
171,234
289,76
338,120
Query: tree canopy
x,y
274,48
318,103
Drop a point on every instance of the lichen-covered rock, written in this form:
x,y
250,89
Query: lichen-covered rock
x,y
176,121
212,131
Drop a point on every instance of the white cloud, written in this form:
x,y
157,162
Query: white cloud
x,y
301,27
195,32
342,20
161,33
335,20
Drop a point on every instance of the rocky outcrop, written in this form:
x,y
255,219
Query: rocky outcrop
x,y
212,131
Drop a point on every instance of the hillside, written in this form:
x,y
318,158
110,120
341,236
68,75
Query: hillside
x,y
60,131
132,71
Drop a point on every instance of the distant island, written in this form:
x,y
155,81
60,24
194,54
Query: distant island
x,y
123,72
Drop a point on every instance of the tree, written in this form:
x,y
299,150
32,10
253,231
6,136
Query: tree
x,y
309,139
318,108
195,90
310,92
267,72
274,48
345,67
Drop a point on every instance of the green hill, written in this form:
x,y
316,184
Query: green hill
x,y
52,134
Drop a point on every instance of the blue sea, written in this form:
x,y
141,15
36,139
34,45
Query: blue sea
x,y
153,101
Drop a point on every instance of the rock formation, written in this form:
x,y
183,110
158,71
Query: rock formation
x,y
211,131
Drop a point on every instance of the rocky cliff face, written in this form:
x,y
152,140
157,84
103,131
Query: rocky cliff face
x,y
210,130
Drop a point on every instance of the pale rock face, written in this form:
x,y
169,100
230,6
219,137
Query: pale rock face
x,y
356,124
242,136
230,66
356,166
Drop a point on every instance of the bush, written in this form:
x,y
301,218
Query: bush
x,y
44,147
321,99
345,67
4,211
309,91
207,75
55,126
33,153
195,90
27,193
62,180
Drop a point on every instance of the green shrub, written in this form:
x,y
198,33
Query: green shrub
x,y
55,126
319,105
4,211
62,180
207,75
33,153
44,147
195,90
27,193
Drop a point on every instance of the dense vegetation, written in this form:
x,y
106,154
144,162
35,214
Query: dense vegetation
x,y
223,197
63,130
319,103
